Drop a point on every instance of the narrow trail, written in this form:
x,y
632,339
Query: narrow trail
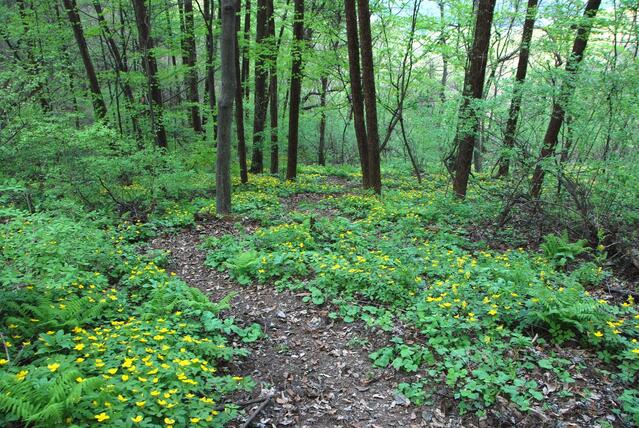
x,y
317,369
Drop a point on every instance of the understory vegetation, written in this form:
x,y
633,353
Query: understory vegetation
x,y
455,182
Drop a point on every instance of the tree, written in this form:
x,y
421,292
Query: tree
x,y
473,92
274,45
225,108
296,89
261,95
567,88
121,68
239,103
370,100
191,61
520,76
211,52
321,155
99,107
149,62
357,97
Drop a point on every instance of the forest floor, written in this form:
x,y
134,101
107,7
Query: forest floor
x,y
317,370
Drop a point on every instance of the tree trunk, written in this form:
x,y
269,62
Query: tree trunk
x,y
296,89
321,157
99,108
225,108
145,41
357,98
261,95
245,55
191,57
370,100
565,92
515,104
473,91
120,68
211,50
239,104
273,89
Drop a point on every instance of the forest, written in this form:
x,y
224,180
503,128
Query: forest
x,y
319,213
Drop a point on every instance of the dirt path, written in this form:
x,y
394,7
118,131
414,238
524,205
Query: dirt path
x,y
318,369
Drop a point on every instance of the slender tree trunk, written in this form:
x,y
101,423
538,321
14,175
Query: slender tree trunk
x,y
321,158
565,93
225,109
191,56
515,104
245,56
473,91
239,104
211,50
145,41
442,41
370,100
167,13
274,45
357,98
296,89
261,95
120,69
99,107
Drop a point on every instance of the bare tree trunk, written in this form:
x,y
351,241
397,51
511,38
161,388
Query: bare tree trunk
x,y
274,45
225,109
296,89
357,97
191,56
321,156
145,41
370,100
239,104
99,108
473,91
211,50
245,55
566,90
522,69
120,68
261,95
442,41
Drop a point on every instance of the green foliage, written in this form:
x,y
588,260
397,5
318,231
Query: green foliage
x,y
403,260
560,251
96,333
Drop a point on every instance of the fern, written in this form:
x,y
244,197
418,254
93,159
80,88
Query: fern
x,y
44,404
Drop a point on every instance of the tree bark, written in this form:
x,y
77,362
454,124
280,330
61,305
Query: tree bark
x,y
296,89
245,56
239,104
225,108
522,69
145,41
357,98
191,57
370,100
261,95
99,107
273,89
211,50
473,91
565,92
321,155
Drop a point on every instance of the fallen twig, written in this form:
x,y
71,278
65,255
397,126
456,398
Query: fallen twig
x,y
257,411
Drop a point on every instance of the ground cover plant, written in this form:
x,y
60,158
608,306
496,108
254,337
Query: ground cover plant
x,y
93,332
476,319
